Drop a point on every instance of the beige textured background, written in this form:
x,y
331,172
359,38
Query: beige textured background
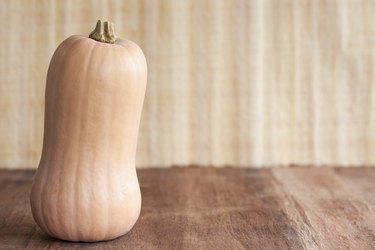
x,y
246,82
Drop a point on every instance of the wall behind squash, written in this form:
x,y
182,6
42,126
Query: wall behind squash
x,y
231,82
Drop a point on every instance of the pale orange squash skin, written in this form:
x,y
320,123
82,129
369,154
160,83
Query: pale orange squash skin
x,y
86,187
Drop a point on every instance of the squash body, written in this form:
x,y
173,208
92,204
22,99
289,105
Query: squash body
x,y
86,186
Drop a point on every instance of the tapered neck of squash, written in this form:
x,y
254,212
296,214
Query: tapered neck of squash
x,y
103,32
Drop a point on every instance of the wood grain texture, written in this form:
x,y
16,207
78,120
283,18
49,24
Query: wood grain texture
x,y
227,208
231,82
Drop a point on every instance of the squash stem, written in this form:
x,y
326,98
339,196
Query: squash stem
x,y
103,32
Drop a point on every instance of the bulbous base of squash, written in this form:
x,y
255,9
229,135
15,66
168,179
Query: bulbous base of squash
x,y
89,212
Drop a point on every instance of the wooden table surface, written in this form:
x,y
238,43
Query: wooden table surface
x,y
227,208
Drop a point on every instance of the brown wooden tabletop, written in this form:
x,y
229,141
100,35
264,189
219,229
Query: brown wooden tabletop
x,y
226,208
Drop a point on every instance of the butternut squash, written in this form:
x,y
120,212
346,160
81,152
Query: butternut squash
x,y
86,187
